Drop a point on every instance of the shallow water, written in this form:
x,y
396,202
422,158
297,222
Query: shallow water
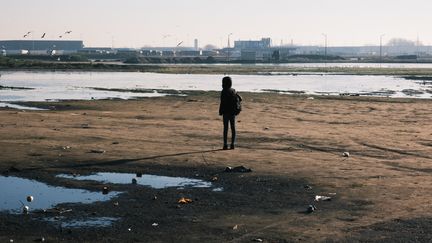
x,y
81,85
153,181
14,190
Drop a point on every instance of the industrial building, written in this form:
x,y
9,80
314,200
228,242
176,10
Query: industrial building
x,y
40,47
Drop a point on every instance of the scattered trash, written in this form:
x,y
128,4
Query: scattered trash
x,y
258,240
97,151
239,169
11,240
155,197
214,178
116,204
332,193
184,200
129,229
346,154
310,98
66,147
235,227
29,198
322,198
311,208
155,224
307,187
105,190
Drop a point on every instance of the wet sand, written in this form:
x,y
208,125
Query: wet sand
x,y
380,192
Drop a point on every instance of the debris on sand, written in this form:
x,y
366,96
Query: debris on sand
x,y
184,200
235,227
311,208
266,128
346,154
66,147
310,98
97,151
322,198
155,224
238,169
258,240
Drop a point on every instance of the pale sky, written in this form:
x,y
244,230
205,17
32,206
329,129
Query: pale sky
x,y
136,23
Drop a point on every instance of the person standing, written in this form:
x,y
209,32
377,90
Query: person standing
x,y
229,107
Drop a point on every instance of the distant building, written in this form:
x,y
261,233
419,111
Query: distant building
x,y
253,44
41,47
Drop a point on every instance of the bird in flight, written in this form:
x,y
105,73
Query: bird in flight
x,y
181,42
28,33
43,36
68,32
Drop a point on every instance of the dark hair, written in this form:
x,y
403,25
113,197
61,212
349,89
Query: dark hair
x,y
226,82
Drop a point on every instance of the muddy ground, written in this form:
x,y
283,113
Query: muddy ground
x,y
380,193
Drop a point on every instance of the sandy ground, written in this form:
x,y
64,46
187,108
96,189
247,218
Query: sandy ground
x,y
380,193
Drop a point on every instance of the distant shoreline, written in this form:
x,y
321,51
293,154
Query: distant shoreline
x,y
261,69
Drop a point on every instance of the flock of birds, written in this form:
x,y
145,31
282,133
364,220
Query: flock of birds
x,y
44,34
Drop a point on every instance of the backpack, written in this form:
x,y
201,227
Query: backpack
x,y
238,105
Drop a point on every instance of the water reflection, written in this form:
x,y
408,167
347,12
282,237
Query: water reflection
x,y
14,191
153,181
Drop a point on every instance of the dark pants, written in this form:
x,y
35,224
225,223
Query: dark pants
x,y
231,119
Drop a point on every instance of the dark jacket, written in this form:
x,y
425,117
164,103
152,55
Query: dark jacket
x,y
228,102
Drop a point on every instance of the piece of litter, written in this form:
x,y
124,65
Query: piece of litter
x,y
29,198
155,224
116,204
239,169
258,240
184,200
11,240
129,229
214,178
322,198
235,227
311,208
310,98
307,187
346,154
266,128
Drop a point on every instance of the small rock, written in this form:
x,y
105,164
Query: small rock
x,y
346,154
307,187
239,169
266,128
134,181
29,198
115,142
97,151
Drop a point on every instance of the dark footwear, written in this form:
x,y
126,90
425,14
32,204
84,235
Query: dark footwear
x,y
232,146
225,147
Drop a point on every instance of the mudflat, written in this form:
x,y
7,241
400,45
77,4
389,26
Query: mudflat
x,y
294,146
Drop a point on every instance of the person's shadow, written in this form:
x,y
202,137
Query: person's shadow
x,y
126,161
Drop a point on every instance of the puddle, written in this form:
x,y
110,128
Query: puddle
x,y
94,222
14,190
153,181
